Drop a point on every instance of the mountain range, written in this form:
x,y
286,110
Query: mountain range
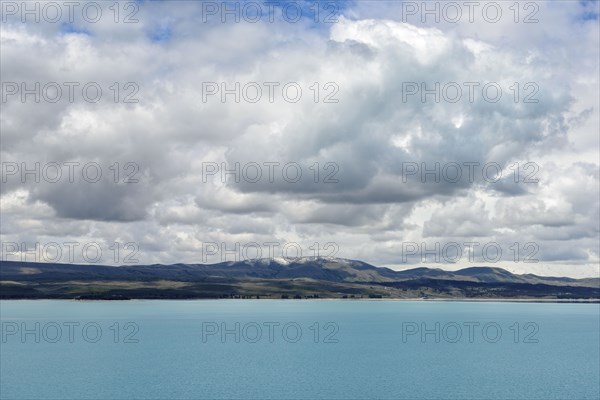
x,y
280,278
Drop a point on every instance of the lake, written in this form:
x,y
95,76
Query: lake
x,y
298,349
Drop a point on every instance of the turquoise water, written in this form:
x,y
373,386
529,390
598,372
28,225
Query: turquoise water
x,y
327,350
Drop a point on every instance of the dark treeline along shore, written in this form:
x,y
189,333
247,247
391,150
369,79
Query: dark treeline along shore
x,y
277,279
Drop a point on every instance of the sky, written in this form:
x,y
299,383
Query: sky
x,y
192,132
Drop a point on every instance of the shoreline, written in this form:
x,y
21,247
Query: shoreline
x,y
457,300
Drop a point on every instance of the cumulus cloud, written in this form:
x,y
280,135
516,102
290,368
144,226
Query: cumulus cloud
x,y
397,136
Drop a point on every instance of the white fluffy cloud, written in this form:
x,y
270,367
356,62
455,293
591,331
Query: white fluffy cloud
x,y
359,193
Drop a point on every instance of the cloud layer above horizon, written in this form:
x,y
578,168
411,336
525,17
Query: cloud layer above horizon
x,y
356,133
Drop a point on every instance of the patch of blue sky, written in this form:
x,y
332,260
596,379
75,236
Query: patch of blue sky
x,y
71,28
319,15
161,33
312,12
590,10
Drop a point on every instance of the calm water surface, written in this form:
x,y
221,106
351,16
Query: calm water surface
x,y
264,349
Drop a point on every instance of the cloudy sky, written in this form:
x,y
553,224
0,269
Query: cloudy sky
x,y
303,126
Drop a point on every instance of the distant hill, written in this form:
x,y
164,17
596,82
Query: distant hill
x,y
277,278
